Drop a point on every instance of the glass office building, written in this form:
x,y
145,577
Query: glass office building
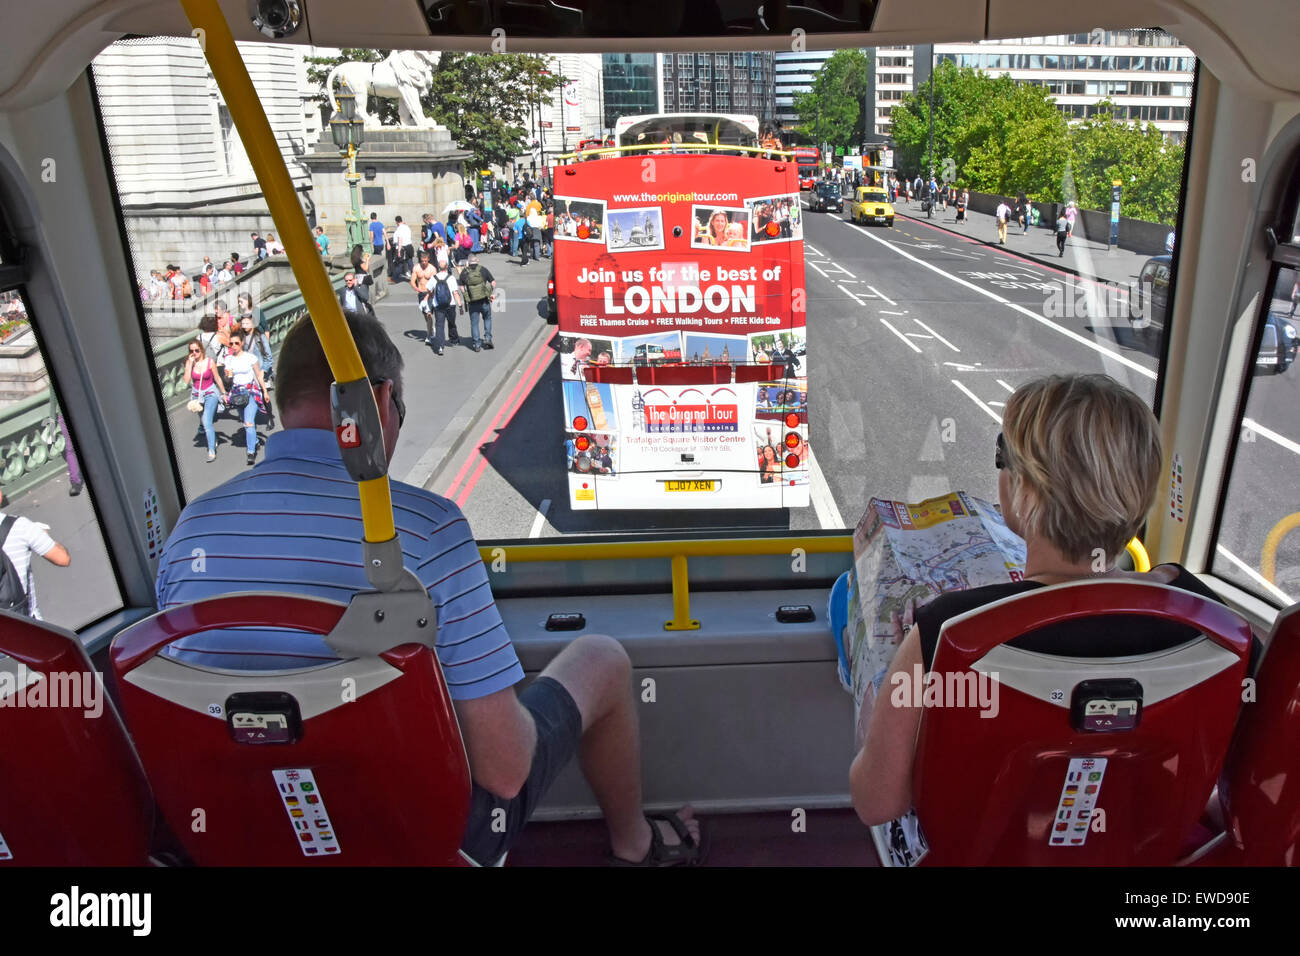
x,y
631,85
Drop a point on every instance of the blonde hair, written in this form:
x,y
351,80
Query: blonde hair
x,y
1085,460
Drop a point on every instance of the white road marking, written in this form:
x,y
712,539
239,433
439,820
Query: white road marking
x,y
850,294
819,493
936,335
540,521
1255,575
998,404
807,248
964,368
1005,385
1068,333
815,266
881,294
918,335
1271,435
836,265
906,341
974,398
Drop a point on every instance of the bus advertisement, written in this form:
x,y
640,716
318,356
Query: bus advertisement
x,y
683,351
807,158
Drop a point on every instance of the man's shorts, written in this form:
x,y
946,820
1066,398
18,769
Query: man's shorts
x,y
559,728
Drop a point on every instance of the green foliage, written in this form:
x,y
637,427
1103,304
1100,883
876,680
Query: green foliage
x,y
485,101
831,110
1006,138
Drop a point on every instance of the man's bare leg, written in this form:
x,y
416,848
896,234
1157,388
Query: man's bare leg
x,y
597,673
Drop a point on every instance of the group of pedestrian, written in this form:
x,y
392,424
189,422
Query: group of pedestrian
x,y
173,282
443,291
228,366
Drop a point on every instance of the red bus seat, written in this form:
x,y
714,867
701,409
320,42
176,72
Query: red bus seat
x,y
1088,761
72,791
1260,789
355,762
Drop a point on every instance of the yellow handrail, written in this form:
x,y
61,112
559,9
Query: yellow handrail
x,y
218,45
678,551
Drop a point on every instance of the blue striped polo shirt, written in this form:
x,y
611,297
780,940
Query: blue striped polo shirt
x,y
293,523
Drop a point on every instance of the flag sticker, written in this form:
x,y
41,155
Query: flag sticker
x,y
5,854
1080,805
311,823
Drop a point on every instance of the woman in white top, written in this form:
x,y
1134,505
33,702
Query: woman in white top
x,y
22,539
246,388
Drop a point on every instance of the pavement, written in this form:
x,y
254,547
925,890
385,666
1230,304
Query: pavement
x,y
1083,257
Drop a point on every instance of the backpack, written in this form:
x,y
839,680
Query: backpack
x,y
475,284
441,292
13,597
465,242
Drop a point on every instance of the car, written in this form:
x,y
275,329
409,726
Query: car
x,y
871,204
827,196
1277,345
552,312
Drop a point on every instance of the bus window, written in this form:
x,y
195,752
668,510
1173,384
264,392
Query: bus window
x,y
1258,544
50,528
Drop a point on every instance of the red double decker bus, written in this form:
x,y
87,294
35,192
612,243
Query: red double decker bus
x,y
679,291
807,159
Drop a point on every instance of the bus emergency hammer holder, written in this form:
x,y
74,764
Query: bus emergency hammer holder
x,y
399,609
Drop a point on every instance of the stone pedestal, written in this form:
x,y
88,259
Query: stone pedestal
x,y
418,170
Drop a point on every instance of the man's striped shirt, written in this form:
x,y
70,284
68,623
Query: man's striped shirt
x,y
293,523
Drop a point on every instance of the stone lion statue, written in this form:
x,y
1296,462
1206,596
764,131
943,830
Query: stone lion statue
x,y
403,76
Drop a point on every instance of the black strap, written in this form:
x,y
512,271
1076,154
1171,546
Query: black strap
x,y
5,527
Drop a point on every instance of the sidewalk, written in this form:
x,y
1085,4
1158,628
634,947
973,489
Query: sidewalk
x,y
1083,257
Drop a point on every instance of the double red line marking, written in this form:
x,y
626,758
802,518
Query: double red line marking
x,y
503,418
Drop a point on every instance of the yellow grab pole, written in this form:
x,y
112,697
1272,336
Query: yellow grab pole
x,y
1138,552
218,45
681,599
1268,557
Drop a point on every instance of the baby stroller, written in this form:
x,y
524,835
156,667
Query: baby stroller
x,y
503,238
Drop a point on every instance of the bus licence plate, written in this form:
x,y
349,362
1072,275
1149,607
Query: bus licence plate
x,y
709,485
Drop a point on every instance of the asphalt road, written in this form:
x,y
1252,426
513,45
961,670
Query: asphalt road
x,y
916,338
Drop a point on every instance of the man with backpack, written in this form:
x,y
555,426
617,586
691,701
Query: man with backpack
x,y
478,285
1062,230
19,540
444,299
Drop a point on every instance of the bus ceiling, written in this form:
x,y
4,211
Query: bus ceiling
x,y
48,44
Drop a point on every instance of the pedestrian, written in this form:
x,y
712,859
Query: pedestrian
x,y
247,389
70,459
1003,214
206,389
1169,242
1071,213
259,248
1062,231
963,204
376,234
405,250
236,266
273,246
245,306
1022,213
446,300
421,275
20,538
1295,298
355,296
322,241
478,285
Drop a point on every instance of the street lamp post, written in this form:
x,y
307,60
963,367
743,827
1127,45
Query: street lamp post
x,y
348,133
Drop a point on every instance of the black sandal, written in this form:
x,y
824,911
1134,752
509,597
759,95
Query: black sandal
x,y
688,852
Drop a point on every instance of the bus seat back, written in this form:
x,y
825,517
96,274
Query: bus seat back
x,y
72,791
1260,789
1075,761
358,761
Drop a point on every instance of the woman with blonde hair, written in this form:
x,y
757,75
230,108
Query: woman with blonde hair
x,y
1079,463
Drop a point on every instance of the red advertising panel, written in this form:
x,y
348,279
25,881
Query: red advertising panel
x,y
680,292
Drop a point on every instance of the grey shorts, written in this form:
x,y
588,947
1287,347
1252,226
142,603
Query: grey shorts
x,y
559,729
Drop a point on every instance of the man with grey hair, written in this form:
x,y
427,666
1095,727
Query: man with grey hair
x,y
308,532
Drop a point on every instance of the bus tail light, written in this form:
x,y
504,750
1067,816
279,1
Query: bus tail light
x,y
550,287
583,232
773,229
792,420
792,461
582,443
580,423
792,439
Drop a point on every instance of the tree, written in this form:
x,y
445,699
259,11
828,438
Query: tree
x,y
832,109
318,71
1150,170
485,101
